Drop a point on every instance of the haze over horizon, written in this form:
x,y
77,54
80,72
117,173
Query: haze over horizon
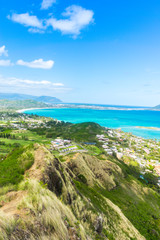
x,y
82,52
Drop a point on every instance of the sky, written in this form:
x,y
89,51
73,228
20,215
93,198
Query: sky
x,y
103,52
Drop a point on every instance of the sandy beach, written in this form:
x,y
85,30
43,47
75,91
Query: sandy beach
x,y
149,128
27,109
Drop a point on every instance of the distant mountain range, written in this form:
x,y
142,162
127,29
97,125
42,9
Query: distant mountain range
x,y
6,104
156,107
16,96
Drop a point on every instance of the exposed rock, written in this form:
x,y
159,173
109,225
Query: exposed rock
x,y
99,224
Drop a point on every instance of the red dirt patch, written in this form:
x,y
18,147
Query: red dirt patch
x,y
14,198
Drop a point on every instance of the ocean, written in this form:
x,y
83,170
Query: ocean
x,y
129,119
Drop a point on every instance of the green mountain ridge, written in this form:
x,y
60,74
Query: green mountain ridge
x,y
16,96
21,104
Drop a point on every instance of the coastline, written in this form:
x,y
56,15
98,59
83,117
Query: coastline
x,y
27,109
72,106
143,130
149,128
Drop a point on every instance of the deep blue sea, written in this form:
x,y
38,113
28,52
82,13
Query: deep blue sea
x,y
127,119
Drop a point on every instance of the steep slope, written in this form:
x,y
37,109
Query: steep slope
x,y
113,180
59,200
34,212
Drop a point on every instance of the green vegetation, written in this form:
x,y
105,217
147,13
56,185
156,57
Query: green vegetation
x,y
21,104
93,150
17,138
139,207
139,204
77,132
88,195
13,167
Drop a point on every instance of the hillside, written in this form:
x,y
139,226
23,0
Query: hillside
x,y
56,192
82,197
82,194
47,99
78,132
21,104
16,96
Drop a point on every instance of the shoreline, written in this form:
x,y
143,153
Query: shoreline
x,y
149,128
85,107
27,109
139,127
153,135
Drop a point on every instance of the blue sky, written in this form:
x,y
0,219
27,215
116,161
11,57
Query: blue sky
x,y
105,51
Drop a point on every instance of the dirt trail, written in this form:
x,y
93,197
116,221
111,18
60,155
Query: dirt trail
x,y
14,198
36,170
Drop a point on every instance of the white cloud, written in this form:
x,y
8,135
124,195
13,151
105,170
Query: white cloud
x,y
35,30
3,51
32,83
5,63
47,4
17,82
77,18
27,20
40,63
74,19
58,84
27,86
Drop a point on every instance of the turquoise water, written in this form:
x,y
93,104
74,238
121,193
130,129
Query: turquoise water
x,y
127,120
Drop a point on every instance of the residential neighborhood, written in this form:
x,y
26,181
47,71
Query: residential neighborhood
x,y
145,153
65,146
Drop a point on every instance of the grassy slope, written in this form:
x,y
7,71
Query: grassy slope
x,y
12,168
61,218
143,212
8,144
139,203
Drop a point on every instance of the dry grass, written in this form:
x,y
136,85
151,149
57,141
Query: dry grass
x,y
53,214
7,225
46,217
95,171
